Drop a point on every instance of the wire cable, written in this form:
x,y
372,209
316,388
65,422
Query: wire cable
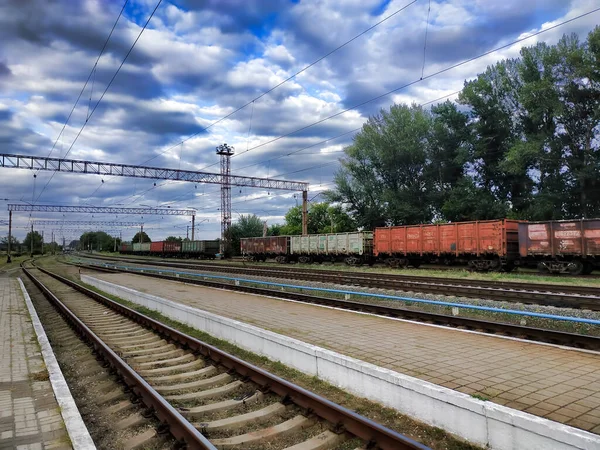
x,y
89,76
287,79
414,82
104,93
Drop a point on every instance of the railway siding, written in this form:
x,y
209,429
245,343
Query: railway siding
x,y
442,309
347,334
301,417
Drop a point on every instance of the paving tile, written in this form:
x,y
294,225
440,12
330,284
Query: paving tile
x,y
23,403
535,378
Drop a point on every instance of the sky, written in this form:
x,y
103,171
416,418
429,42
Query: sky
x,y
200,60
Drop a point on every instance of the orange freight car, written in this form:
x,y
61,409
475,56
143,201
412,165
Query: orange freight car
x,y
483,245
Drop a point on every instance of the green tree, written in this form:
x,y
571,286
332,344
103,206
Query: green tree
x,y
14,242
275,230
99,241
174,239
322,218
37,242
384,175
246,226
144,236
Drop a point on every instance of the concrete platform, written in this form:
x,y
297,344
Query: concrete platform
x,y
30,415
552,382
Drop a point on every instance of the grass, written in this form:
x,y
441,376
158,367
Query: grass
x,y
16,260
40,376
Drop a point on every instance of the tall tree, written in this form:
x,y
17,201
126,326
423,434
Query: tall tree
x,y
246,226
450,148
174,239
322,218
37,242
98,240
144,238
384,172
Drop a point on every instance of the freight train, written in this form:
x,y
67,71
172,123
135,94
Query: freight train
x,y
164,249
564,246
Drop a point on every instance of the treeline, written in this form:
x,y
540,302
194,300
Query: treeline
x,y
522,141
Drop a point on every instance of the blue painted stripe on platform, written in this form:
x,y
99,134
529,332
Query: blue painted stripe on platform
x,y
365,294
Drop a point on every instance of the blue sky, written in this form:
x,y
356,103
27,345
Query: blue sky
x,y
200,60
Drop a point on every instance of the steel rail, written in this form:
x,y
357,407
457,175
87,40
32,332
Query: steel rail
x,y
178,425
342,418
561,296
506,329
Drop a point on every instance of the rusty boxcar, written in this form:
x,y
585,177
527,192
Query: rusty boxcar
x,y
172,248
561,246
261,248
483,245
157,247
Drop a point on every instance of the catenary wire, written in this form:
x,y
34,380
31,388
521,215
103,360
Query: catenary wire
x,y
104,93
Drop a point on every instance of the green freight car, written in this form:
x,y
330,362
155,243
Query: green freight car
x,y
200,249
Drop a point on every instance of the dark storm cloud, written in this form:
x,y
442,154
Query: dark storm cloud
x,y
4,70
17,139
233,15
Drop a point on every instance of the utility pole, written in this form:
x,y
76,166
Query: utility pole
x,y
304,213
115,247
194,225
32,240
187,233
42,242
8,259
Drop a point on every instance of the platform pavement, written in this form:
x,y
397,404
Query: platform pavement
x,y
548,381
30,417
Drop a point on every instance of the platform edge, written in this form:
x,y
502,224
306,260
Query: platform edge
x,y
481,422
76,429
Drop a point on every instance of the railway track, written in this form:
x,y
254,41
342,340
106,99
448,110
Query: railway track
x,y
114,418
207,398
505,329
578,297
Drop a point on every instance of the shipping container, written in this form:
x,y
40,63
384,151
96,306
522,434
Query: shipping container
x,y
486,244
562,245
126,247
157,247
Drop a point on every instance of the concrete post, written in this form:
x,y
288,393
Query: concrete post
x,y
8,259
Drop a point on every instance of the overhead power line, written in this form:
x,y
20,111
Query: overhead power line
x,y
104,93
318,60
412,83
89,77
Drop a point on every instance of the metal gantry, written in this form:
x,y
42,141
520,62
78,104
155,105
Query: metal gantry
x,y
83,223
91,210
101,210
225,179
156,173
